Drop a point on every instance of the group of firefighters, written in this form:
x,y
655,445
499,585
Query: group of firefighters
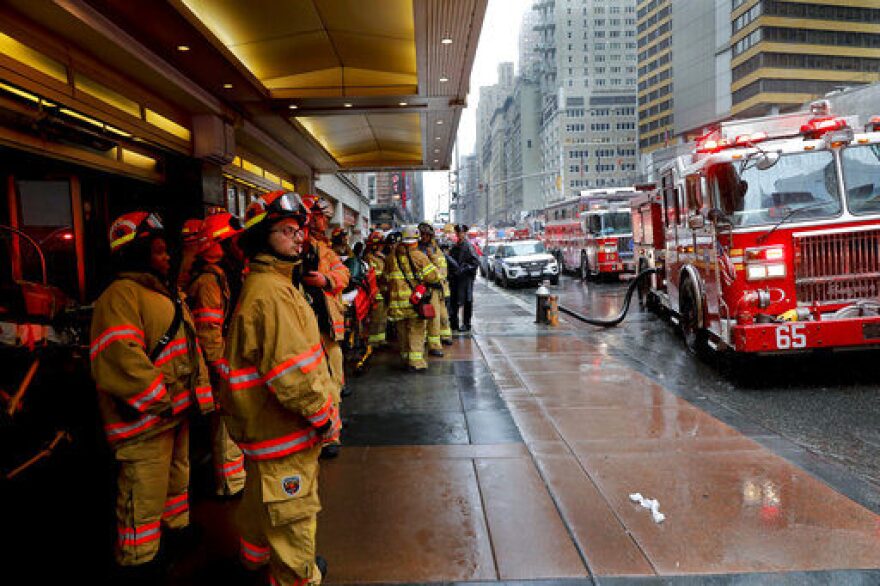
x,y
250,335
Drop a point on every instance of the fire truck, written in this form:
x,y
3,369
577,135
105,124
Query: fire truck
x,y
766,237
592,233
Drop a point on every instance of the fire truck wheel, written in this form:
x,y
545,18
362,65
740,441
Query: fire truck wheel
x,y
694,336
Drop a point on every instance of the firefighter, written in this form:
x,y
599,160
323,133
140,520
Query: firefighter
x,y
339,242
277,396
189,237
210,300
410,274
149,372
324,277
375,257
429,247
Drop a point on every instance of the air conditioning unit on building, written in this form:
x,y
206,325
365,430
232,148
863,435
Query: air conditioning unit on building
x,y
213,139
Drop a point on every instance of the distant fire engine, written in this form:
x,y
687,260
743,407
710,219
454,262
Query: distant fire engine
x,y
592,233
767,237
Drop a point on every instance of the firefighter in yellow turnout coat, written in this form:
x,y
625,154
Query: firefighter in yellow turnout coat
x,y
378,314
145,387
438,331
209,298
278,397
407,270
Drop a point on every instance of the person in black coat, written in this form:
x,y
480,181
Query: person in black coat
x,y
465,255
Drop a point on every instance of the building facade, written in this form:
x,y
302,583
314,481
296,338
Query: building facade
x,y
787,53
588,87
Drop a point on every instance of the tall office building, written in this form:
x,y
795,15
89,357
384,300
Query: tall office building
x,y
587,75
655,73
788,53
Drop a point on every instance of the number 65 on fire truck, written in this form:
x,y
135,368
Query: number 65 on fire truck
x,y
767,237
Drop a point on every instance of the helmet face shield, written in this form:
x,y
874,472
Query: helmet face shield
x,y
274,206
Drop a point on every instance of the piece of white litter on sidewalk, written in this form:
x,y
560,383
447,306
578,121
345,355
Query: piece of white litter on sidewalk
x,y
652,505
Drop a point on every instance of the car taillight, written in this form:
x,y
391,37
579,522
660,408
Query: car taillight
x,y
767,262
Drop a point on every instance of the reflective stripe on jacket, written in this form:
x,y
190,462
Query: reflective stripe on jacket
x,y
208,297
377,260
332,267
277,386
400,273
136,396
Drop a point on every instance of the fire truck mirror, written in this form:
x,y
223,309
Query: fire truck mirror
x,y
767,160
696,222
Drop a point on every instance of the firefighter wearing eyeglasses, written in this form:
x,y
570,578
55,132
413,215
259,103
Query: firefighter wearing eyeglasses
x,y
210,299
375,257
410,275
277,396
149,372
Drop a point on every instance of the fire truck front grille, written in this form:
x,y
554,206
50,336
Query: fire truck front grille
x,y
836,268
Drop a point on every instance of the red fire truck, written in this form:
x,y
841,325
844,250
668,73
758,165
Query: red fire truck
x,y
767,237
592,233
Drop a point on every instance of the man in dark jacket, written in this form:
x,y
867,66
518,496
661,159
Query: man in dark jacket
x,y
465,256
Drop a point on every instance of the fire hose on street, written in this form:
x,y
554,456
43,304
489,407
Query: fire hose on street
x,y
611,322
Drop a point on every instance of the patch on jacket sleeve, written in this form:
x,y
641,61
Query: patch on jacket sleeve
x,y
291,485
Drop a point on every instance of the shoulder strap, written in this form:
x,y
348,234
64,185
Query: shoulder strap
x,y
172,329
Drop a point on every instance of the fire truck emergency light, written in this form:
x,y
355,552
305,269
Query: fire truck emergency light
x,y
873,125
764,263
817,127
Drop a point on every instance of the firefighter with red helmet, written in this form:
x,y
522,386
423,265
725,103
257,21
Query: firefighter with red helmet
x,y
410,274
278,396
189,237
210,299
149,372
375,257
324,277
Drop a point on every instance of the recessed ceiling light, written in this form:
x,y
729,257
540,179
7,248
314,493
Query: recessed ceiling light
x,y
439,122
293,106
402,104
436,150
444,79
183,48
227,86
446,41
437,138
348,105
436,161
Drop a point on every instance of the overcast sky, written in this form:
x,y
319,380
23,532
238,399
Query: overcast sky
x,y
498,43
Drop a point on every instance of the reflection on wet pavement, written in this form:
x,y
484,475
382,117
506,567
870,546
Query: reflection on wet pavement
x,y
602,424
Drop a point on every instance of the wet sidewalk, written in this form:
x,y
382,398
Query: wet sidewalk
x,y
513,459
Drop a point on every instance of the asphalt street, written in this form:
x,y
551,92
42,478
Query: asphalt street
x,y
821,409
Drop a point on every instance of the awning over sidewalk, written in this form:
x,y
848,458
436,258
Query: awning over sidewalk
x,y
333,84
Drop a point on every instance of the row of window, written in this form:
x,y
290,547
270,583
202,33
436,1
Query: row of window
x,y
800,86
654,125
656,33
660,62
656,109
746,18
599,153
659,47
649,7
823,12
655,79
804,61
646,24
664,90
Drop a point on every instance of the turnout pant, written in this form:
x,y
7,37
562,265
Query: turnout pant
x,y
378,323
152,493
434,325
442,309
411,337
277,517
